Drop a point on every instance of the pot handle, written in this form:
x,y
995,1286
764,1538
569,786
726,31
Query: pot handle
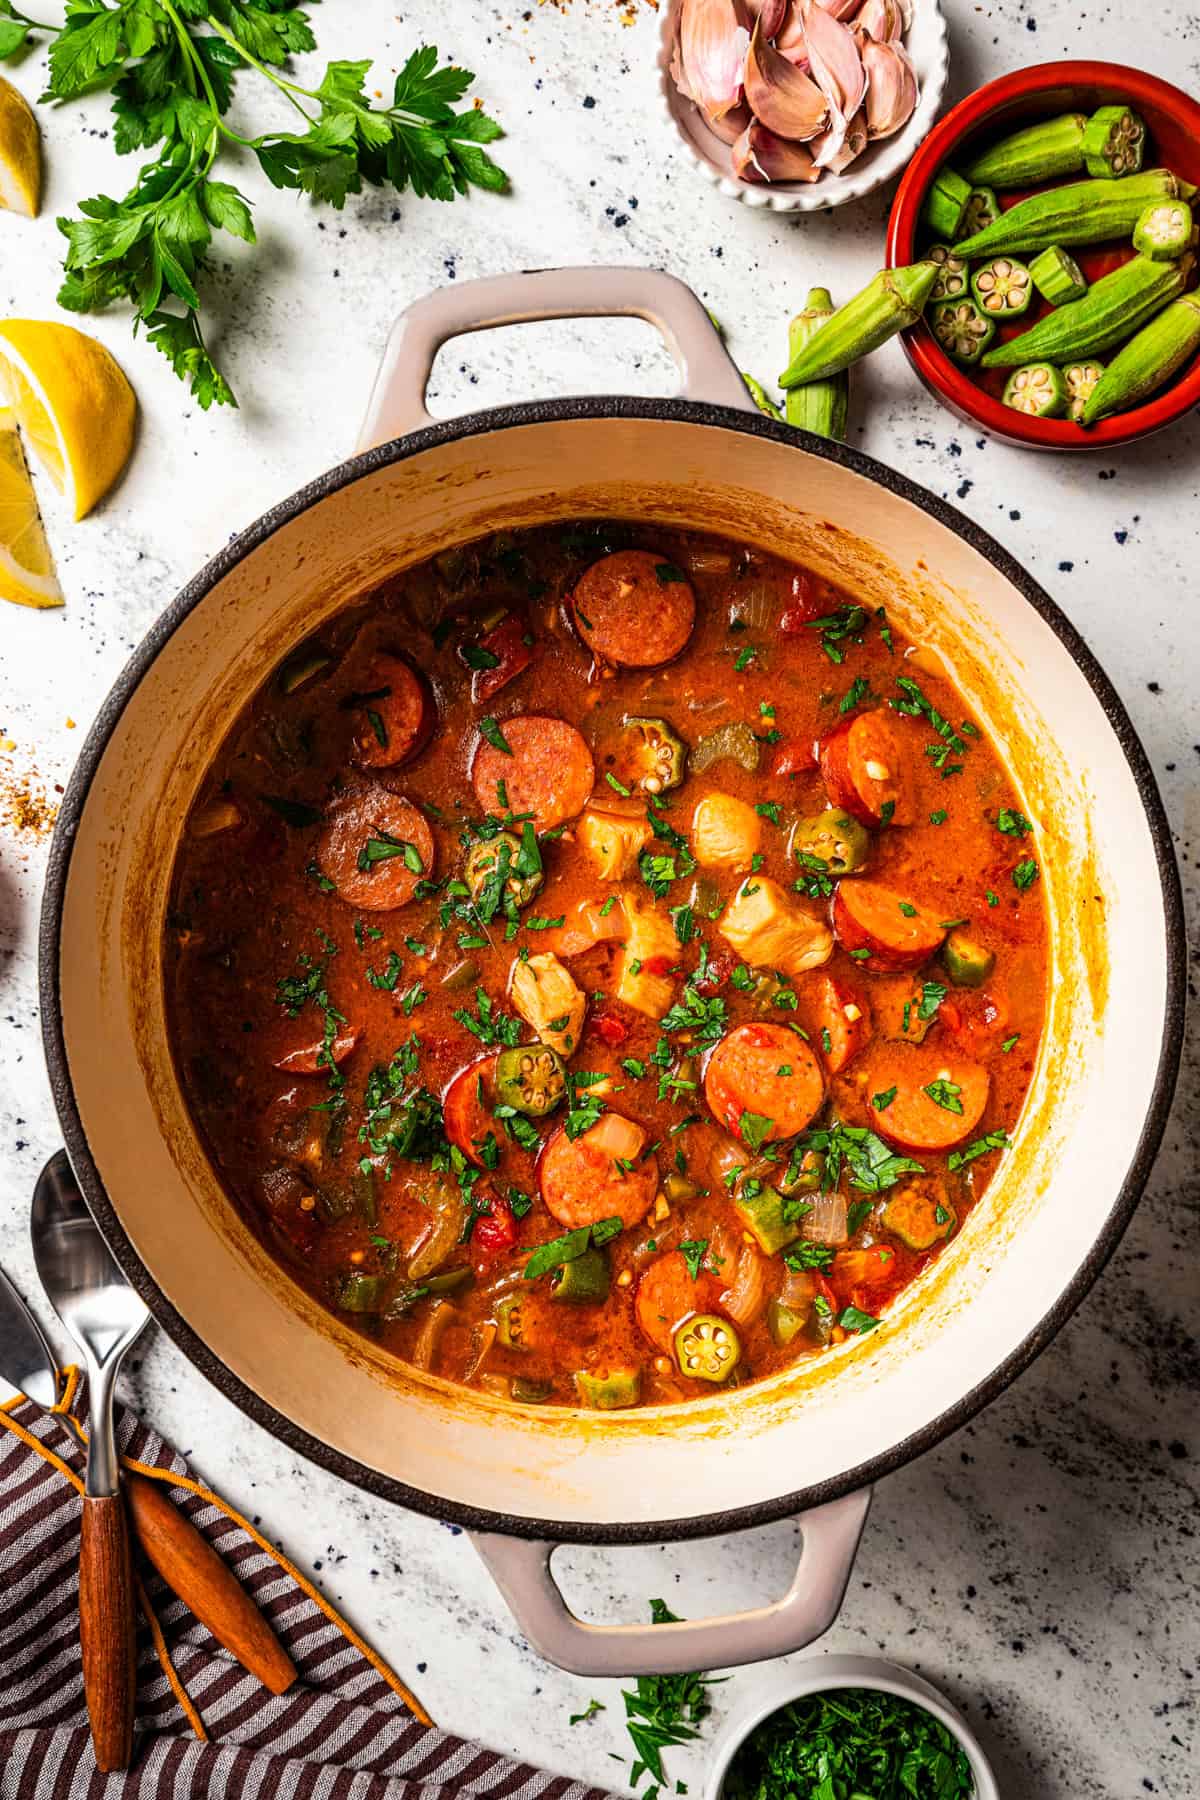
x,y
397,403
521,1570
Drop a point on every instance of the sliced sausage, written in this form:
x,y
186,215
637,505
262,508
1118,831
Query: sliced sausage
x,y
634,608
305,1056
396,714
549,774
467,1107
838,1020
507,643
940,1096
896,932
767,1070
375,848
667,1295
598,1175
869,771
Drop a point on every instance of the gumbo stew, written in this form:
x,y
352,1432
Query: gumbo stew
x,y
607,962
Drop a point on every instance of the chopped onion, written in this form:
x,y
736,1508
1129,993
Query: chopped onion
x,y
746,1295
827,1222
757,608
799,1289
704,560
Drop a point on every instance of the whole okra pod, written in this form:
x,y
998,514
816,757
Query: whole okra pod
x,y
1111,311
760,397
893,300
818,406
1148,360
1051,147
1083,212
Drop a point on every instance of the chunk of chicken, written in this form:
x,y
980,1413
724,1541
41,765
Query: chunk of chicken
x,y
766,928
726,833
549,1001
612,841
651,947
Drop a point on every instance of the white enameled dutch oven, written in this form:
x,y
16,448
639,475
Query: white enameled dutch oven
x,y
811,1439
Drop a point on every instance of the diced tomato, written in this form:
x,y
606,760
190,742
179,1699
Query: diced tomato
x,y
662,965
496,1231
810,601
794,757
613,1030
720,968
506,642
975,1021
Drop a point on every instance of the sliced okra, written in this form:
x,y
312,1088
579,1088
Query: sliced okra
x,y
1002,288
953,278
1164,230
962,330
1081,379
982,209
1038,389
1057,277
945,204
1114,142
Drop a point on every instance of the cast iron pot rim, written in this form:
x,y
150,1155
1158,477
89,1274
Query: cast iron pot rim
x,y
741,1518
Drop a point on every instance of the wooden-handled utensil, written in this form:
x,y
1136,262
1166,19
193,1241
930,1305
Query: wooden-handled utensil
x,y
105,1315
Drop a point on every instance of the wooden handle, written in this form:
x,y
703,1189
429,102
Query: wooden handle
x,y
106,1629
188,1563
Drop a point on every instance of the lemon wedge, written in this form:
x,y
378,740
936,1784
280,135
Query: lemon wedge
x,y
73,404
26,566
20,153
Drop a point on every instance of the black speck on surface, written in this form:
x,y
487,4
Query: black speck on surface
x,y
421,1668
1066,567
1153,687
589,101
1013,513
1122,537
964,487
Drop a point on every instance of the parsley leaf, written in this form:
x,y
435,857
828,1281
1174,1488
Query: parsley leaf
x,y
171,73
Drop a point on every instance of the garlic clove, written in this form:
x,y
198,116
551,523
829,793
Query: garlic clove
x,y
854,142
892,90
712,53
881,19
760,155
731,125
837,67
839,9
780,95
770,14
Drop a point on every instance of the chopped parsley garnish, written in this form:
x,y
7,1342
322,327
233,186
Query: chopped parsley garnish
x,y
883,1100
848,1744
662,1710
744,658
693,1251
939,817
491,1026
945,1094
476,657
871,1165
916,704
1013,823
388,977
837,629
993,899
1009,1042
490,729
570,1246
858,691
855,1319
804,1255
857,1214
993,1140
932,995
768,809
383,847
617,786
668,572
754,1129
1025,874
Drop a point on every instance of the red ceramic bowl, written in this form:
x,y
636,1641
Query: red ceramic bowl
x,y
1173,123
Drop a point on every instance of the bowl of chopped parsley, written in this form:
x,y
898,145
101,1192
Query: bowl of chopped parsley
x,y
852,1728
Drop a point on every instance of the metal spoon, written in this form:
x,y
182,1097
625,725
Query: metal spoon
x,y
104,1315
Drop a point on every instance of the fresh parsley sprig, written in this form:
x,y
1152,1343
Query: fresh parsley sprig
x,y
170,66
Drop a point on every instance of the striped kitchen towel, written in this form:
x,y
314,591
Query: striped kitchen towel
x,y
348,1729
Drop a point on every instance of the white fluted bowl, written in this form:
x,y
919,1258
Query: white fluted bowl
x,y
926,43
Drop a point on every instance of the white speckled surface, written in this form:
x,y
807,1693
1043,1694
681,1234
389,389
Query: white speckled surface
x,y
1041,1566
